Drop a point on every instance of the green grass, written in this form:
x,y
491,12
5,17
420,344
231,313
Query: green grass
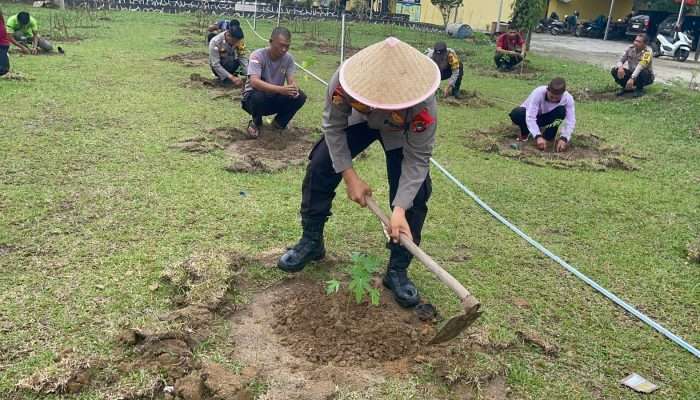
x,y
97,206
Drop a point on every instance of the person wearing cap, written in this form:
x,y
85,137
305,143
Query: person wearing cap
x,y
25,30
634,69
510,50
220,26
451,68
543,112
384,93
271,87
227,56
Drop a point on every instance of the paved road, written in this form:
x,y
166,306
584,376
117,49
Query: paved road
x,y
606,53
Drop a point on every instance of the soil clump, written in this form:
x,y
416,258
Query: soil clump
x,y
272,151
587,151
188,42
467,98
217,89
335,329
325,47
192,59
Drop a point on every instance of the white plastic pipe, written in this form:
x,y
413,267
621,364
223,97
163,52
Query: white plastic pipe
x,y
342,38
279,12
255,16
500,14
607,26
680,14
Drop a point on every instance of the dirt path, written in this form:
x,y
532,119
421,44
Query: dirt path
x,y
606,53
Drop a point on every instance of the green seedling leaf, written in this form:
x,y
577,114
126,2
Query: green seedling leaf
x,y
332,287
374,296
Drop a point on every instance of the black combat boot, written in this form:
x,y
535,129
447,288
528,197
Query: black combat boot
x,y
309,248
396,279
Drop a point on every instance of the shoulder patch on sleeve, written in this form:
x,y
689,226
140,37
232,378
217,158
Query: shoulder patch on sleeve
x,y
422,121
338,96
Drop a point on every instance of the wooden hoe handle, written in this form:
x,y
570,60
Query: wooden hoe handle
x,y
468,301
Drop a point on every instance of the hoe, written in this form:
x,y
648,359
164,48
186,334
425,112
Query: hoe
x,y
455,325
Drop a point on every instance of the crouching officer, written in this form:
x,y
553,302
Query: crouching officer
x,y
383,93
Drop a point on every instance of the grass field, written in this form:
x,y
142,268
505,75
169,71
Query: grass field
x,y
94,205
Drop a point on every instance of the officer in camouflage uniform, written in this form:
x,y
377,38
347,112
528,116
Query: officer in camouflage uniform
x,y
384,93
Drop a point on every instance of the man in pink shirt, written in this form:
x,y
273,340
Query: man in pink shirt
x,y
543,112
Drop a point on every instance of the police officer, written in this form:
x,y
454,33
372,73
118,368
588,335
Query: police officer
x,y
383,93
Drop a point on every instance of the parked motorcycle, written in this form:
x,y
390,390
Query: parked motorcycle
x,y
545,24
676,46
593,29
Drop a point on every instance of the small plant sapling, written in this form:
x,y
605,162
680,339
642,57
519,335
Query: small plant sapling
x,y
360,286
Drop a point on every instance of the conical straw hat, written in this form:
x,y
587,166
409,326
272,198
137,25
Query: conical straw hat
x,y
389,75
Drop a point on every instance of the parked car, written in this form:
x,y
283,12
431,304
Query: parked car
x,y
645,23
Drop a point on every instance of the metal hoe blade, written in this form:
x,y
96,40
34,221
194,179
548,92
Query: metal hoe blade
x,y
471,305
456,325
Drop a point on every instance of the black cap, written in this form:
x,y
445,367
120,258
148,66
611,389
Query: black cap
x,y
440,47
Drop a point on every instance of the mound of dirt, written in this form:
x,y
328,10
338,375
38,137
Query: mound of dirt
x,y
191,59
467,98
324,47
188,42
217,89
326,329
272,151
694,251
588,95
524,71
587,151
69,376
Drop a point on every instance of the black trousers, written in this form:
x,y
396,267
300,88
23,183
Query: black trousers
x,y
321,181
446,73
507,61
259,104
4,60
231,66
549,122
644,79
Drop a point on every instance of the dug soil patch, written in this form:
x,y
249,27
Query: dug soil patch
x,y
310,343
523,71
472,99
324,47
272,151
188,42
587,151
217,89
191,59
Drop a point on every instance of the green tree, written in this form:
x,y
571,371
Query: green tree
x,y
526,15
446,8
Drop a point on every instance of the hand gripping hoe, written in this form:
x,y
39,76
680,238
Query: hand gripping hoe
x,y
455,325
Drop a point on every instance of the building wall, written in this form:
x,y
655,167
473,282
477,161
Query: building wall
x,y
476,13
591,9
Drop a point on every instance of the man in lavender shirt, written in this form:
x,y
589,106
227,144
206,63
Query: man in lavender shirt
x,y
543,112
271,87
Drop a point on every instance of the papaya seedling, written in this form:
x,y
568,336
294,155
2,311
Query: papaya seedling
x,y
360,286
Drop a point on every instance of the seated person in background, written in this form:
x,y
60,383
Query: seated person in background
x,y
25,30
5,41
271,87
633,71
510,50
220,26
451,68
227,55
546,108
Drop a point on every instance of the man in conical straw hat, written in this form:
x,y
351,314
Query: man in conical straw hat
x,y
383,93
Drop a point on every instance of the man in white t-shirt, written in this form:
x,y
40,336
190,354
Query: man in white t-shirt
x,y
271,87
